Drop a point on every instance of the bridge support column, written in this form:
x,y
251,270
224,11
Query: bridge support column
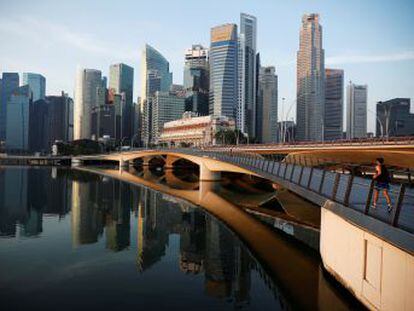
x,y
75,162
123,165
207,175
169,161
205,188
145,161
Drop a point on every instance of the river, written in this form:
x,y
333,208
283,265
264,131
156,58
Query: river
x,y
71,239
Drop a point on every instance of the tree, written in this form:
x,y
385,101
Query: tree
x,y
230,137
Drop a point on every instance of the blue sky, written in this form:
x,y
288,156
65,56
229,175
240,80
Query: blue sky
x,y
373,41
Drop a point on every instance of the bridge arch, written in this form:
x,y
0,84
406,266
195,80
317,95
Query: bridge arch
x,y
210,168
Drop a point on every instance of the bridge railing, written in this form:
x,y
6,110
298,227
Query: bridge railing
x,y
351,191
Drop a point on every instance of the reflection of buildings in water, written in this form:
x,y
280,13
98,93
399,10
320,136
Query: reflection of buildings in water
x,y
86,217
28,193
13,199
157,218
192,241
118,219
227,265
58,193
33,224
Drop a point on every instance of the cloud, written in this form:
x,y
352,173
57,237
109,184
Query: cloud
x,y
48,33
369,58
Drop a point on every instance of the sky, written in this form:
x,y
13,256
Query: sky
x,y
373,41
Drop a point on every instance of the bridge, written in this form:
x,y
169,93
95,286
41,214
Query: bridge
x,y
316,185
370,251
398,152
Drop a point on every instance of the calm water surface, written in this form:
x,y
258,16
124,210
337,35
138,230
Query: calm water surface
x,y
71,240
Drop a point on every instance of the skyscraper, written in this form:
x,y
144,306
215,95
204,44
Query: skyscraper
x,y
356,111
310,80
267,106
166,106
10,81
223,71
37,84
334,104
246,108
60,117
50,120
17,125
88,81
121,80
196,79
155,76
155,72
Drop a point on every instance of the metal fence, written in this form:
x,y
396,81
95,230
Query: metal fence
x,y
351,191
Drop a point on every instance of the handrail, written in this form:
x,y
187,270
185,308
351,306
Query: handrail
x,y
262,165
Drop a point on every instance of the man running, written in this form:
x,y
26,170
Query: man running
x,y
382,179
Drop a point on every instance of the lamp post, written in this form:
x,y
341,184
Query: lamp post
x,y
132,140
122,142
380,122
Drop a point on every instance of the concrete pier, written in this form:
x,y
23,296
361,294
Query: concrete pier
x,y
378,273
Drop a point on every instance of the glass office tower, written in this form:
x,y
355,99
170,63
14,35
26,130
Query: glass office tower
x,y
9,82
17,125
223,71
37,84
121,80
246,110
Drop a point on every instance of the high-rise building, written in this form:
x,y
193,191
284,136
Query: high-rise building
x,y
9,83
38,126
196,79
166,106
155,76
88,81
50,120
61,117
310,79
267,106
223,71
246,107
356,111
37,84
121,80
394,118
155,71
17,125
334,104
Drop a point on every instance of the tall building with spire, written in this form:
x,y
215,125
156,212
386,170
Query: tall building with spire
x,y
223,71
310,80
246,107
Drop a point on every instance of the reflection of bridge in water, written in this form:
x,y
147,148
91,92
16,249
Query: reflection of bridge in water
x,y
346,201
300,280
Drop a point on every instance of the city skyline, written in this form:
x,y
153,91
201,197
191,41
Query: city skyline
x,y
369,51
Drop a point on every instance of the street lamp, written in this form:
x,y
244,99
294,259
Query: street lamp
x,y
122,142
132,140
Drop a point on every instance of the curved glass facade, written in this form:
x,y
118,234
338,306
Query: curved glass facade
x,y
156,75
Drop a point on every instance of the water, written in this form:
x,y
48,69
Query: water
x,y
73,240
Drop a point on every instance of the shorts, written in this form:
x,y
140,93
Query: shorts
x,y
382,185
